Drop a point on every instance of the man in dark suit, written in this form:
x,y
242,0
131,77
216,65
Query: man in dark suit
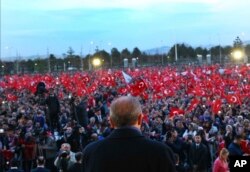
x,y
81,113
53,109
126,149
40,165
198,155
77,166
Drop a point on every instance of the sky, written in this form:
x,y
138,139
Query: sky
x,y
35,27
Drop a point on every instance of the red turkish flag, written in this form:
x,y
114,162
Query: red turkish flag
x,y
86,79
216,106
141,84
138,87
233,99
175,111
246,88
11,97
168,92
81,92
193,104
122,90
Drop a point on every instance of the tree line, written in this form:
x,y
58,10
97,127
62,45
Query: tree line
x,y
114,59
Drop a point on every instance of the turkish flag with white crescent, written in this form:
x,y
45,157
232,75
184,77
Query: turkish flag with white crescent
x,y
175,111
233,99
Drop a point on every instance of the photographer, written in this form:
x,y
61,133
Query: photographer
x,y
65,157
63,161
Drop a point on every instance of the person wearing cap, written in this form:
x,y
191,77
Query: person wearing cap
x,y
40,165
126,149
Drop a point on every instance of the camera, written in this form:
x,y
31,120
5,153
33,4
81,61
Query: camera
x,y
64,154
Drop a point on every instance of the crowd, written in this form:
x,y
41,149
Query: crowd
x,y
200,112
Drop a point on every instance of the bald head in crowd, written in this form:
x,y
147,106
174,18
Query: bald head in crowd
x,y
125,111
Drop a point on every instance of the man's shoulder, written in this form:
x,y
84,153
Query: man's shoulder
x,y
156,145
143,140
94,145
75,167
232,146
15,170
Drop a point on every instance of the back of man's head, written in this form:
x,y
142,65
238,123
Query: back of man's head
x,y
40,161
14,163
78,156
237,139
125,111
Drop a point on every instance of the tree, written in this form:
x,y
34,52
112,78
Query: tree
x,y
205,52
70,51
52,60
199,50
30,65
247,50
40,65
184,52
116,57
215,51
126,54
191,52
136,53
104,57
226,50
238,43
60,64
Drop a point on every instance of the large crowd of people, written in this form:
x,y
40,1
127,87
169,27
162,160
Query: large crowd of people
x,y
201,112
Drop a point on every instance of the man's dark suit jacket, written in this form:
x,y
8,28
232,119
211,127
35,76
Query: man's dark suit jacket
x,y
76,167
40,169
14,170
127,150
198,156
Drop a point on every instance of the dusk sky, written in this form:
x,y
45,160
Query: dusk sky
x,y
29,27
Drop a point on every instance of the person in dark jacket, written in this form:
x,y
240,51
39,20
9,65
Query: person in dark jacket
x,y
178,146
77,166
126,149
198,155
234,147
53,109
40,165
81,113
